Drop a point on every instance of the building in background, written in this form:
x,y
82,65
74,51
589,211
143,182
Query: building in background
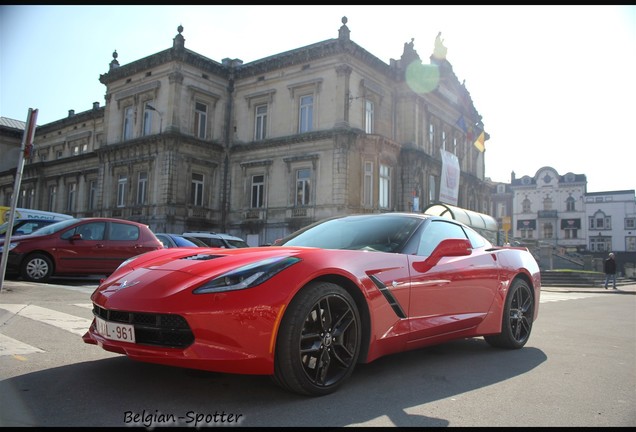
x,y
611,227
185,143
566,226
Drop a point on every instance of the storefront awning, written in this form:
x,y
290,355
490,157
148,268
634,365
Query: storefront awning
x,y
527,224
570,223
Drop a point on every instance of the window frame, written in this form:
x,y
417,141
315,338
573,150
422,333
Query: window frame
x,y
128,123
142,187
260,121
305,113
52,197
147,124
367,183
201,119
71,197
384,186
92,194
257,191
122,182
302,186
369,116
197,188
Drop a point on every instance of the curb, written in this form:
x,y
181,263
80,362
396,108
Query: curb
x,y
622,290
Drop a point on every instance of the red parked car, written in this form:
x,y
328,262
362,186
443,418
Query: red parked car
x,y
77,247
306,310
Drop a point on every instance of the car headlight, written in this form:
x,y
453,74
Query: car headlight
x,y
247,276
129,260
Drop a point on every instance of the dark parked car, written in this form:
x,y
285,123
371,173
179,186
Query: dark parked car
x,y
177,240
77,247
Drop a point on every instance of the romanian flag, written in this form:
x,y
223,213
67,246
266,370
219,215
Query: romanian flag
x,y
479,142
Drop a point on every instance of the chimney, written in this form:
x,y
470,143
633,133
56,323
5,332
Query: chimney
x,y
71,113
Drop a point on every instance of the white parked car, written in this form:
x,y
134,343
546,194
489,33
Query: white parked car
x,y
218,240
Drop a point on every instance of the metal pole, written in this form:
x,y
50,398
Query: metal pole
x,y
26,149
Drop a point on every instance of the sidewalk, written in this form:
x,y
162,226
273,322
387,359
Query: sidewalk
x,y
622,289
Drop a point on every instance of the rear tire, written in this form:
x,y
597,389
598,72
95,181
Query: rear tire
x,y
517,318
318,341
37,268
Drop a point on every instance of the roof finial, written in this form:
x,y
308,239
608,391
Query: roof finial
x,y
179,40
114,63
344,32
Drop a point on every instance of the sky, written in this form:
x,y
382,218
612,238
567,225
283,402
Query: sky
x,y
555,85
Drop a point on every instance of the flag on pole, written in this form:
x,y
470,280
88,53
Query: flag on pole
x,y
479,142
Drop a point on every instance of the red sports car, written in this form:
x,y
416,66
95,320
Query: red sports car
x,y
306,310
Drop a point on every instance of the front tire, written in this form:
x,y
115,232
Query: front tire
x,y
517,318
318,342
37,268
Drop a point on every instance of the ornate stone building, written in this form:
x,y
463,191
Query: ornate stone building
x,y
185,143
550,208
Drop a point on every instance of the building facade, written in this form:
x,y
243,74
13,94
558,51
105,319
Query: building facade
x,y
549,209
611,221
565,226
185,143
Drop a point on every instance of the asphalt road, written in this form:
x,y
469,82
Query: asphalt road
x,y
578,369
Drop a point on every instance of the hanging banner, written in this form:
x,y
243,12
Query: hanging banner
x,y
449,186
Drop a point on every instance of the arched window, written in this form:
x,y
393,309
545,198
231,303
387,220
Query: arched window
x,y
526,206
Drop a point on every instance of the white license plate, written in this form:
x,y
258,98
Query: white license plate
x,y
115,331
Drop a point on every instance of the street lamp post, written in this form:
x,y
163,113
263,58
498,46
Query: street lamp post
x,y
151,108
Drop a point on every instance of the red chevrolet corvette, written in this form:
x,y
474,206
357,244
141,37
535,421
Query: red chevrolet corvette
x,y
306,310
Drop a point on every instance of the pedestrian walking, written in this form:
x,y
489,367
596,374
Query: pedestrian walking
x,y
609,267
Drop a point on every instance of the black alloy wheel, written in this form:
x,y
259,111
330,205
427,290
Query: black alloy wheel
x,y
319,340
517,317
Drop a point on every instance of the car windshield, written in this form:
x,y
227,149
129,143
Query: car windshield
x,y
387,234
54,227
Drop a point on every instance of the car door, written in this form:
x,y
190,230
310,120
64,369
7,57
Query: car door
x,y
454,294
83,254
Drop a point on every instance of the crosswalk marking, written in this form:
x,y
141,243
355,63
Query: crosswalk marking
x,y
547,296
61,320
10,346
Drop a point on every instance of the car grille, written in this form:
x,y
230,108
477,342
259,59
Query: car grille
x,y
167,330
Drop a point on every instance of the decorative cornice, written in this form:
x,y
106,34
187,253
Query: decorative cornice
x,y
163,57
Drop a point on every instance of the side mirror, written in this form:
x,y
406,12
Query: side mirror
x,y
446,248
75,237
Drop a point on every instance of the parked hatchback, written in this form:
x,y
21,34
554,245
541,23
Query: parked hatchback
x,y
78,247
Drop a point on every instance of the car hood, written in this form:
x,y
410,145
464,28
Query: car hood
x,y
166,272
